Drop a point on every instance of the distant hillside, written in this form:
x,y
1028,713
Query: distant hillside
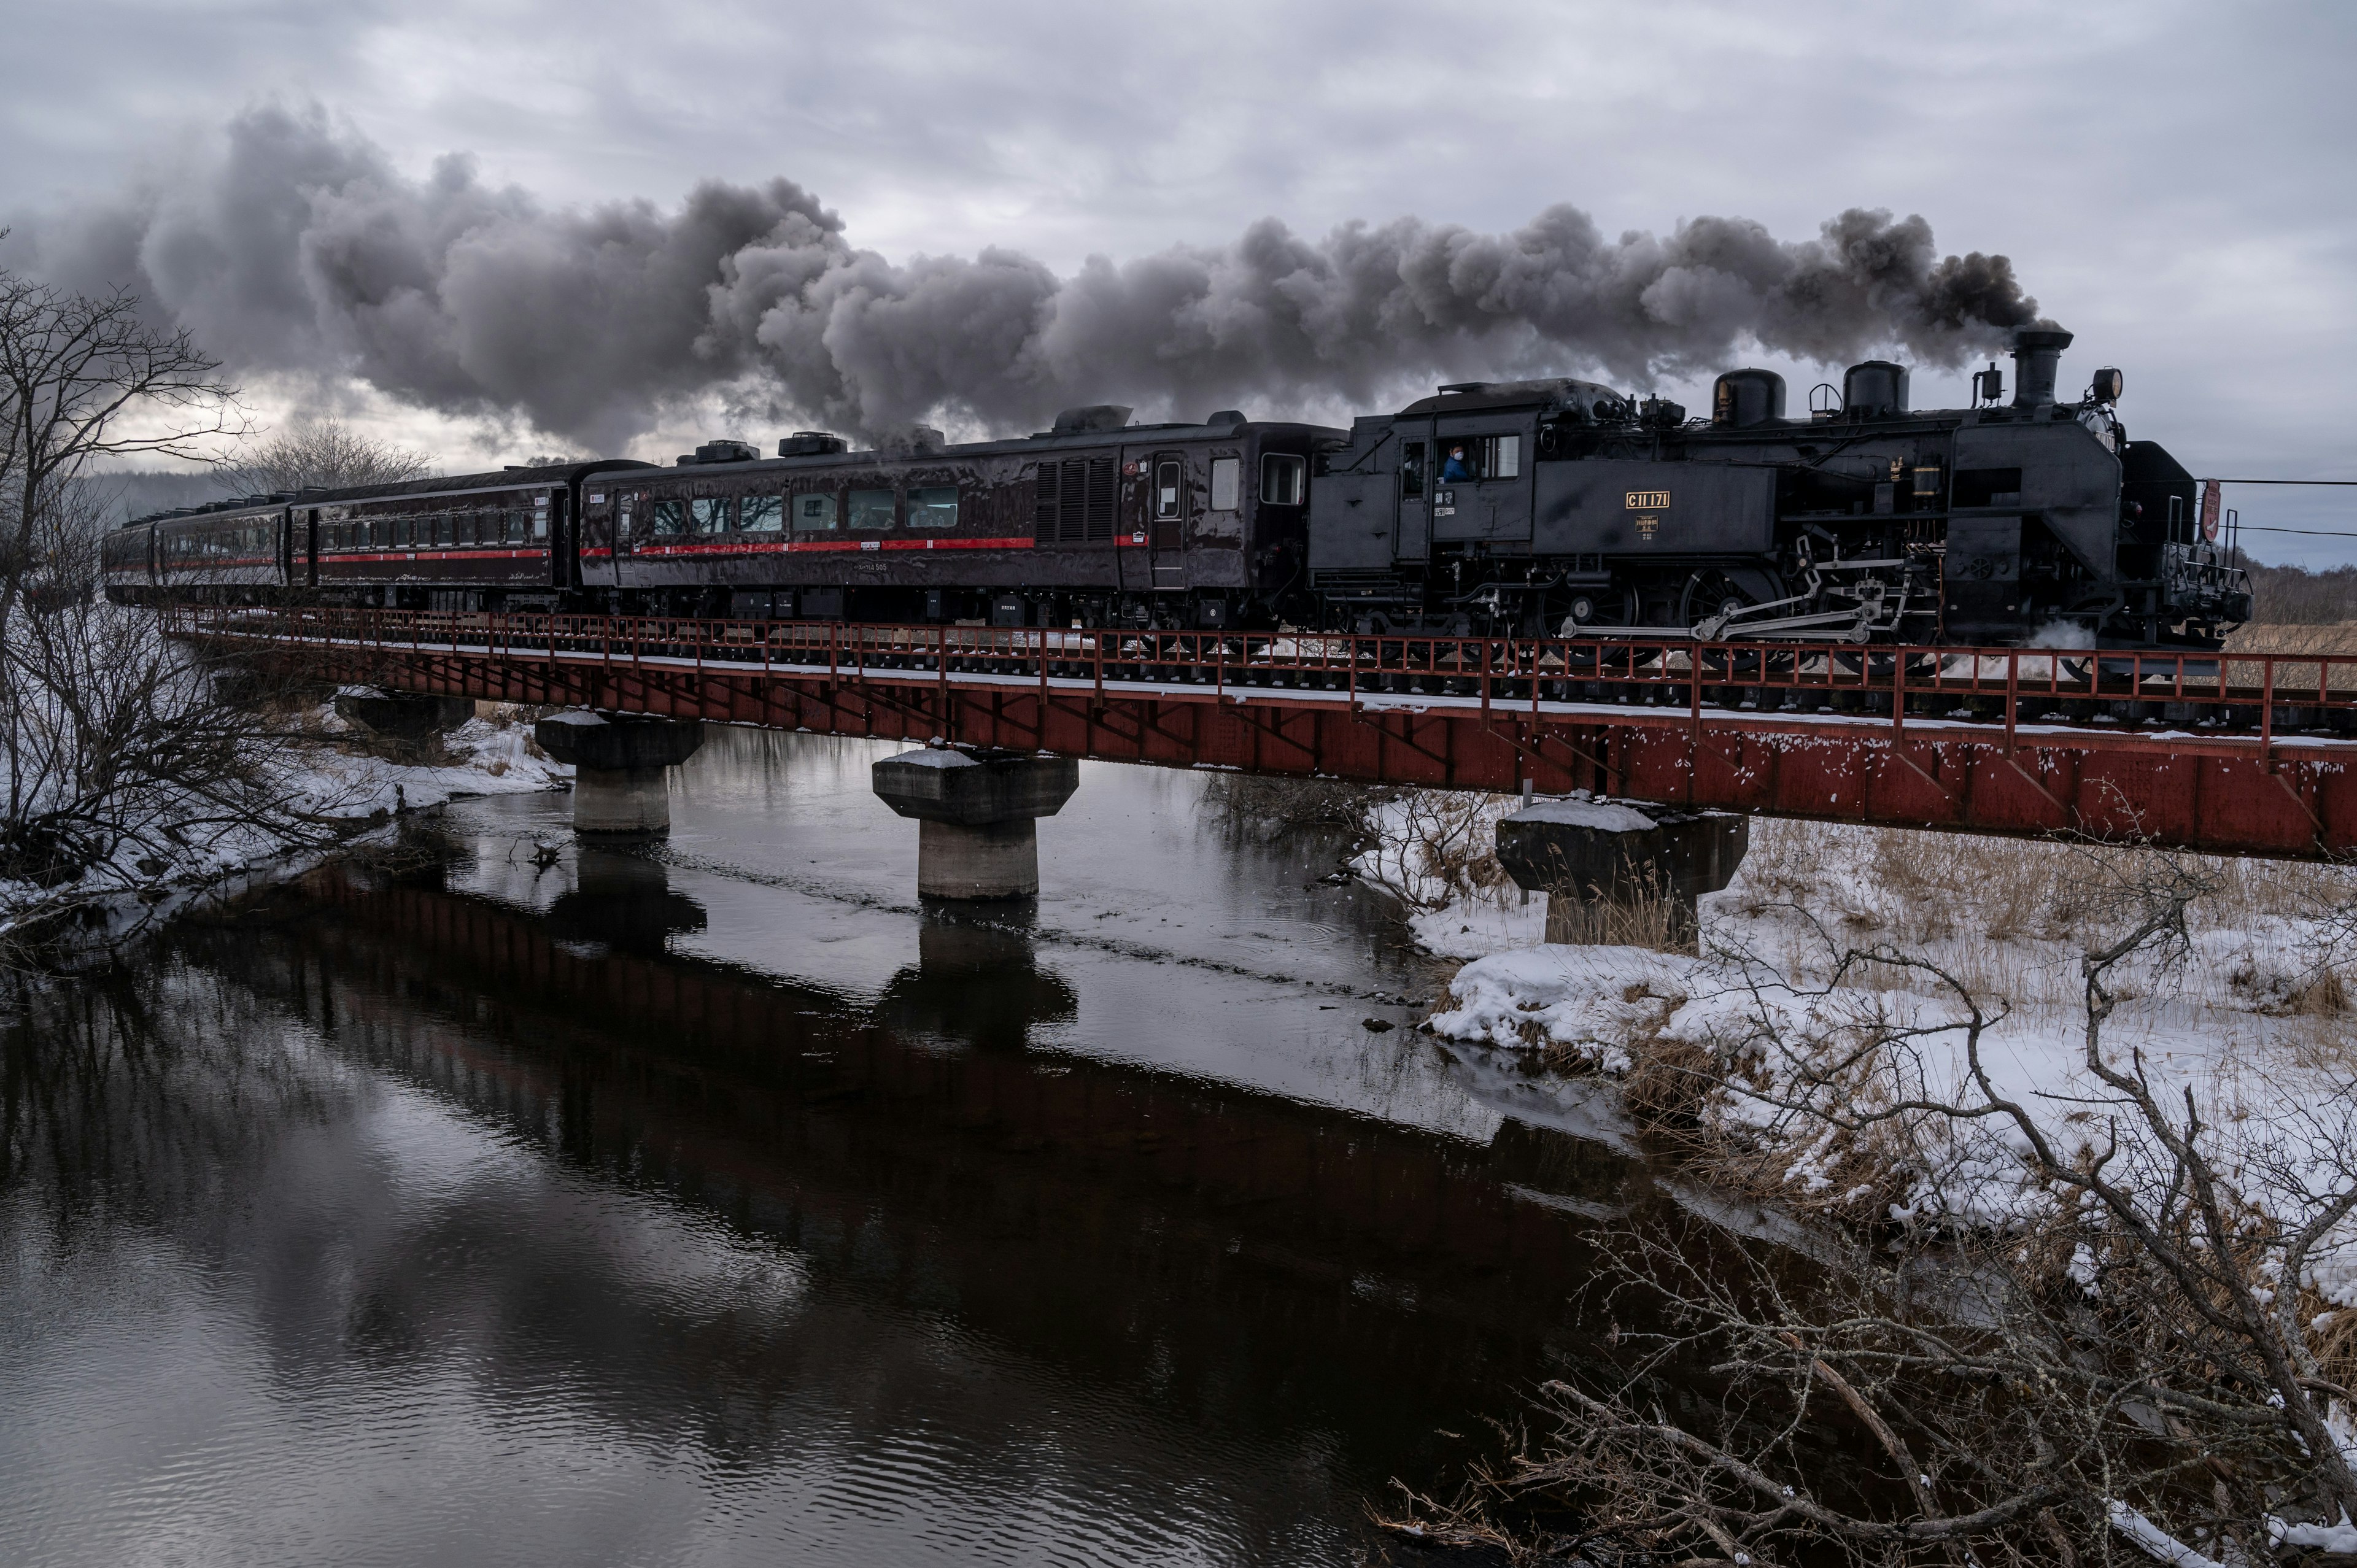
x,y
2293,596
127,495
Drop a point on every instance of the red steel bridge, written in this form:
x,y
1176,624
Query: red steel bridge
x,y
2243,753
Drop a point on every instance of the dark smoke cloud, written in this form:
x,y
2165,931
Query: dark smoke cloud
x,y
300,249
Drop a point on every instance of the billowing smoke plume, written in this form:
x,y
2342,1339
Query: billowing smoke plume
x,y
299,248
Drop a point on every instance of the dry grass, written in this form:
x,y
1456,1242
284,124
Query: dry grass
x,y
1645,915
2336,637
2010,918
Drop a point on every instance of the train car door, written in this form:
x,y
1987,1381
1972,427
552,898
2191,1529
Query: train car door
x,y
1166,518
552,530
1413,539
630,516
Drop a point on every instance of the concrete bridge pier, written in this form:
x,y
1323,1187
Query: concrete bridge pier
x,y
1617,871
618,762
978,816
402,715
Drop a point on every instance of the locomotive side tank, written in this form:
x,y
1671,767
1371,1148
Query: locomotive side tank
x,y
1563,508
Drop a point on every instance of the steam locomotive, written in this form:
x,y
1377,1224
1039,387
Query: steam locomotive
x,y
1554,508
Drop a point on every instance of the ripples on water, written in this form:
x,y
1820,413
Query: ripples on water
x,y
717,1205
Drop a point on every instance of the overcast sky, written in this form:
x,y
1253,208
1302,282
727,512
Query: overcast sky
x,y
2172,182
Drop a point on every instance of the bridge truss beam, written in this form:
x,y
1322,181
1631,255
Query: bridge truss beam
x,y
2261,792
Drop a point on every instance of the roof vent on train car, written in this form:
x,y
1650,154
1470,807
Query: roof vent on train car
x,y
1095,417
1225,419
1873,389
914,438
719,452
1746,397
2037,361
811,444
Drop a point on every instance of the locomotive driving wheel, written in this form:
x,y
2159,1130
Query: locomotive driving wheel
x,y
1595,608
1710,593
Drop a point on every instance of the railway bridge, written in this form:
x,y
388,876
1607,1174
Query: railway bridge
x,y
2241,753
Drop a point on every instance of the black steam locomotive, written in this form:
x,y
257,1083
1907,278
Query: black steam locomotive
x,y
1551,508
1565,507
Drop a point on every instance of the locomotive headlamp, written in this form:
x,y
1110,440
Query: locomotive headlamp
x,y
2109,384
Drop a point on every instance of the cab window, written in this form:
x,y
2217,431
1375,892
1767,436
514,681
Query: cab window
x,y
871,510
1282,478
933,506
1466,460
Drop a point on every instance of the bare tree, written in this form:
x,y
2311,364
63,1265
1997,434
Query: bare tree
x,y
129,767
318,453
83,379
2136,1356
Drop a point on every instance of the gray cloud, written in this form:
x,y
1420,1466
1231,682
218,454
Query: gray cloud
x,y
299,248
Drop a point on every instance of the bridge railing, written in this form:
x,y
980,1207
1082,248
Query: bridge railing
x,y
2192,689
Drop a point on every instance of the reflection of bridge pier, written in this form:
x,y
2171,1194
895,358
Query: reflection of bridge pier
x,y
978,980
621,901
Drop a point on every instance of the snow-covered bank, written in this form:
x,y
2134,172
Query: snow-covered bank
x,y
324,790
1841,974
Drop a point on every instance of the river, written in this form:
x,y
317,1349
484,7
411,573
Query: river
x,y
501,1201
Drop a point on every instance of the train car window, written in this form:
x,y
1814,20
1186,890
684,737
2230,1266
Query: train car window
x,y
442,526
669,517
869,509
1227,481
709,514
815,513
540,519
1166,491
1411,469
761,514
932,506
1282,479
518,526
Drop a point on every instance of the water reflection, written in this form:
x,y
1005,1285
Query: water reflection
x,y
503,1211
621,902
977,981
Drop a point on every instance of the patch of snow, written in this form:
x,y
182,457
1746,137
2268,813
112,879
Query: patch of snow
x,y
2155,1542
1604,816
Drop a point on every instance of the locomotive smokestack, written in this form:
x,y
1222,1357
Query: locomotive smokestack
x,y
2037,361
